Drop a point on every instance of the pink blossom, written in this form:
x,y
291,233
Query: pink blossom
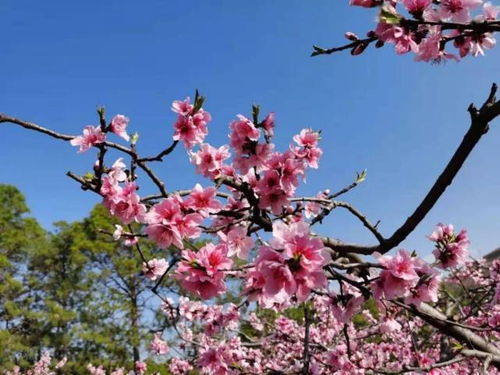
x,y
275,199
154,268
200,120
416,6
481,42
475,44
167,224
403,40
119,126
158,346
313,208
258,157
140,367
184,130
307,138
161,228
109,187
401,266
237,242
451,249
490,11
96,370
286,325
288,168
164,235
236,204
290,172
457,10
297,243
91,136
276,274
202,273
209,160
441,233
431,14
308,151
131,241
188,225
125,204
255,155
270,182
398,276
191,128
344,307
295,269
494,319
253,289
182,107
117,172
203,200
244,140
179,366
268,124
308,280
306,255
242,131
338,360
215,361
430,49
390,325
427,287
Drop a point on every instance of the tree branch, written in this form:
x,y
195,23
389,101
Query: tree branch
x,y
479,126
438,320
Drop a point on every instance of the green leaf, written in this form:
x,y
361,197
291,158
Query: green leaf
x,y
361,176
134,138
255,114
388,16
198,102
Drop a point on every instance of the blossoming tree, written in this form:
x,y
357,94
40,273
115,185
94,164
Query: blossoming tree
x,y
427,28
310,304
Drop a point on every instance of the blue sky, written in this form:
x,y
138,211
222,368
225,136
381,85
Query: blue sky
x,y
399,119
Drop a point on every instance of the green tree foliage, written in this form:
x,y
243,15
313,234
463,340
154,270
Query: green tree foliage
x,y
75,291
20,236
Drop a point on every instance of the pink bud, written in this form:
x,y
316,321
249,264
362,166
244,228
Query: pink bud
x,y
359,49
351,36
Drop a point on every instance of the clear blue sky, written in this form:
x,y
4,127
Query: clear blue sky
x,y
399,119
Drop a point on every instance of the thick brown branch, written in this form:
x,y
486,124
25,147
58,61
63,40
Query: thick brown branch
x,y
438,320
479,126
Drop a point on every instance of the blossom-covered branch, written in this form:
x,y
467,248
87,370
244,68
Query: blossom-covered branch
x,y
426,28
249,232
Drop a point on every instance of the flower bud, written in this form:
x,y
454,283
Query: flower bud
x,y
359,49
351,36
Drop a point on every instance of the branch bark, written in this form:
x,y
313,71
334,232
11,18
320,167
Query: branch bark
x,y
438,320
480,120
